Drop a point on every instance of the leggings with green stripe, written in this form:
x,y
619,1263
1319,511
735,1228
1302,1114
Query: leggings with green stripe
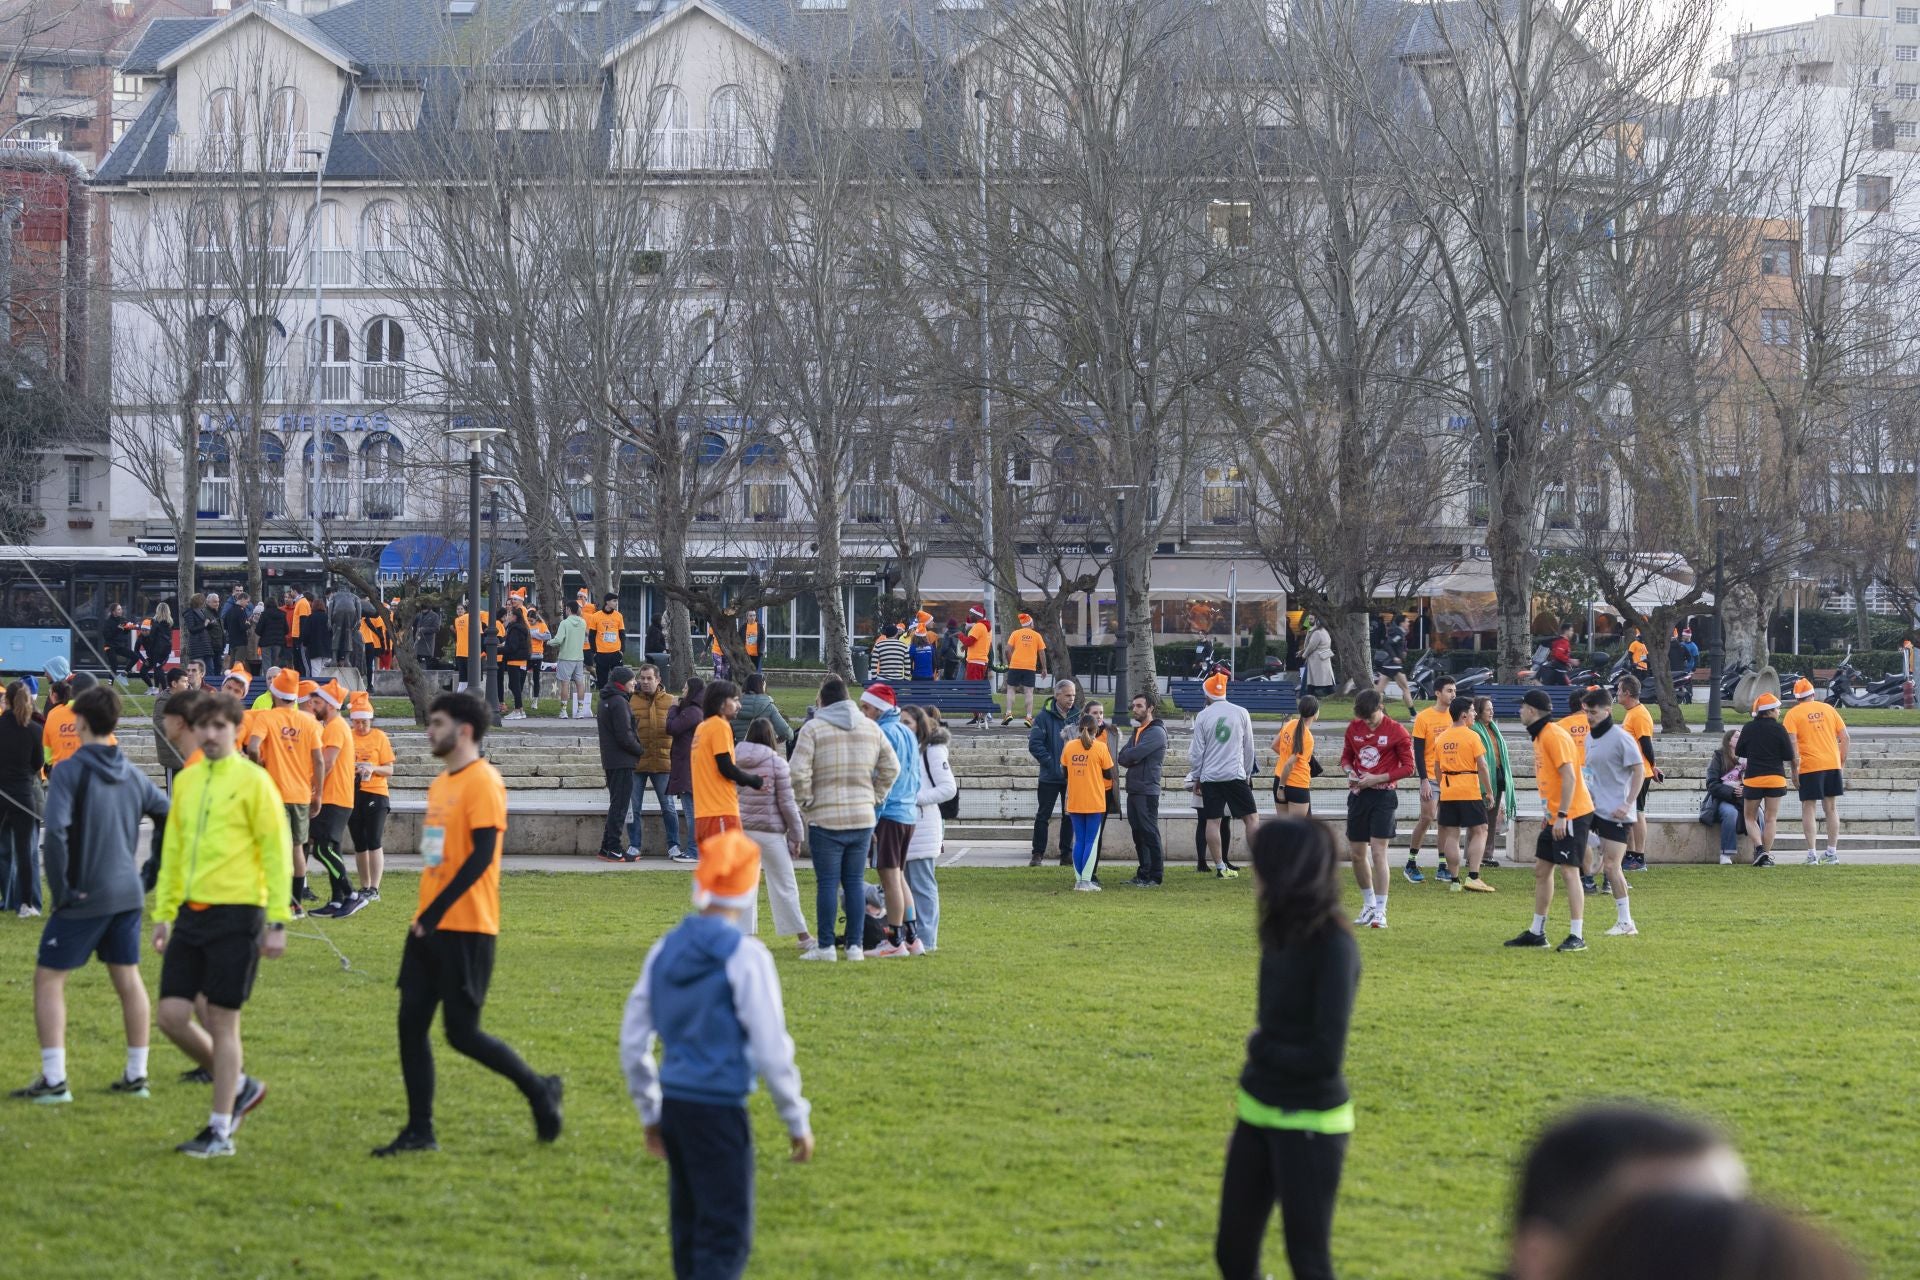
x,y
325,846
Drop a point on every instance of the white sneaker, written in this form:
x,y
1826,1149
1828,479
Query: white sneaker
x,y
1379,920
514,715
826,955
1366,915
633,853
855,953
677,854
1624,929
1083,886
1813,859
565,714
1726,859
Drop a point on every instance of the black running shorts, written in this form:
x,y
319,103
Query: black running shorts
x,y
213,952
1292,795
1646,785
1017,678
1608,829
1232,796
890,841
1370,814
1570,852
1463,813
1821,784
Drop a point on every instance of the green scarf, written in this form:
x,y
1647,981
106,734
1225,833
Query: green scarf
x,y
1497,762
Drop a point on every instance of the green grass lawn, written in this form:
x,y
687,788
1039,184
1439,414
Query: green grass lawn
x,y
1049,1095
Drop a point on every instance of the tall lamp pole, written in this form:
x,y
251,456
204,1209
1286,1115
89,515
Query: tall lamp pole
x,y
981,97
475,437
314,252
1717,655
497,587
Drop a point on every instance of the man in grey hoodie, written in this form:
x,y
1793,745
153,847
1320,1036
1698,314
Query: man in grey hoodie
x,y
1142,757
1221,764
95,800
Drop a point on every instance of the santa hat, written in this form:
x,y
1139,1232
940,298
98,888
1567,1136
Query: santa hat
x,y
923,618
286,685
1765,702
728,873
238,672
1026,619
306,689
360,706
331,693
1803,688
977,612
880,695
1216,685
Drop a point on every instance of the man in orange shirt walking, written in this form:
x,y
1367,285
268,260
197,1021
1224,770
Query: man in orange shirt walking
x,y
336,799
448,961
1026,659
1821,735
1568,812
285,741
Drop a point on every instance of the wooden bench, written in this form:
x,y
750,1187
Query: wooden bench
x,y
1506,697
1259,697
952,697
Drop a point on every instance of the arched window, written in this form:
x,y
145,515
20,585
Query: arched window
x,y
216,476
1073,472
383,238
271,477
333,372
669,145
207,244
763,472
635,474
730,134
382,465
331,246
220,144
710,231
383,370
263,244
286,134
710,450
327,499
576,473
263,346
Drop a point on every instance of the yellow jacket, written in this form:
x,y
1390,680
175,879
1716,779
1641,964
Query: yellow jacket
x,y
227,843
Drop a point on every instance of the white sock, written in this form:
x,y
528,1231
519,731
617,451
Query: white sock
x,y
1574,927
136,1062
1621,912
53,1066
222,1125
1368,895
1539,924
1380,903
1833,850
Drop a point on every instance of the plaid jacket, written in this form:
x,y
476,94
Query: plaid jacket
x,y
842,769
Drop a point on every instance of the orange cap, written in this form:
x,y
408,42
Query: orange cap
x,y
1765,702
360,706
728,874
286,685
1216,685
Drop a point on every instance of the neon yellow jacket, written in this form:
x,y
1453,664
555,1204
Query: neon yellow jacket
x,y
227,843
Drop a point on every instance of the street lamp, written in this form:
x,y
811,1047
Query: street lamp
x,y
319,334
981,98
497,587
475,438
1717,655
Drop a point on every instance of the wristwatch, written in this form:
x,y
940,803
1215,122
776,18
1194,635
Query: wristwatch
x,y
277,926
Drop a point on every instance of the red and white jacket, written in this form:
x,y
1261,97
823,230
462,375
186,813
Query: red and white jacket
x,y
1382,748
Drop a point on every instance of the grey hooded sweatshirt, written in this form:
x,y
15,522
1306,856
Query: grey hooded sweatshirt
x,y
95,800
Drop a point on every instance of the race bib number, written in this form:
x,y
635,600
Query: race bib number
x,y
433,845
609,637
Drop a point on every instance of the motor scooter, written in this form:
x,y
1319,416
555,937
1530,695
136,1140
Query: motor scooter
x,y
1849,689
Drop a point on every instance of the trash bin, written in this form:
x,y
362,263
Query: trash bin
x,y
862,665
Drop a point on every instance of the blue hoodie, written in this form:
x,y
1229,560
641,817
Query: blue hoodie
x,y
903,798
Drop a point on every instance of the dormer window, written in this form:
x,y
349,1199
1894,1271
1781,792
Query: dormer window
x,y
576,6
462,8
823,4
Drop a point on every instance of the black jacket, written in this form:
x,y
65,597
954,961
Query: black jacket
x,y
156,647
233,620
656,638
199,632
426,634
1296,1054
316,634
21,755
1142,755
1049,733
620,747
1766,747
518,644
272,627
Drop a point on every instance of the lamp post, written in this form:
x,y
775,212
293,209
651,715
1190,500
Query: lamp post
x,y
475,438
319,334
981,97
1717,655
497,587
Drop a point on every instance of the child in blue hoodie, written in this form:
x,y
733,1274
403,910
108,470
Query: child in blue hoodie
x,y
711,994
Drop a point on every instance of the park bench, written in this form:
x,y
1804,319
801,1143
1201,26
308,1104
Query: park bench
x,y
1259,697
1506,697
952,697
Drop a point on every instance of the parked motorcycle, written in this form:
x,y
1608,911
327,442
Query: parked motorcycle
x,y
1849,689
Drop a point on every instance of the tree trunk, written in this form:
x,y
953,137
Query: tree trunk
x,y
1059,661
1746,628
1142,670
1862,621
189,533
673,570
1352,649
1512,593
837,653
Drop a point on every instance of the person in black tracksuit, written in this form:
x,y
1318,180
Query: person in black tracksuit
x,y
1295,1114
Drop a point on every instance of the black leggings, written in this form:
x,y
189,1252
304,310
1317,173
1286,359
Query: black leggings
x,y
1301,1171
517,684
421,992
1200,839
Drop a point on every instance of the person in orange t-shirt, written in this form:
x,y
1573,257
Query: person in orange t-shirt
x,y
285,741
1466,785
372,768
1427,728
336,799
60,732
447,962
1562,842
1293,769
1026,660
979,643
1821,736
1089,769
716,800
608,629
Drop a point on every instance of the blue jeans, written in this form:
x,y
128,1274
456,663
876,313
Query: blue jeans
x,y
926,900
636,830
1729,827
20,846
686,821
839,873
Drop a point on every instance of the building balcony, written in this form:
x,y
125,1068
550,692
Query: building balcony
x,y
292,152
690,150
383,500
383,383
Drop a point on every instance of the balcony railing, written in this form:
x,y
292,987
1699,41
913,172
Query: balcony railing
x,y
383,383
687,150
383,499
868,504
1223,504
766,503
383,265
329,499
331,267
580,501
230,152
214,498
334,383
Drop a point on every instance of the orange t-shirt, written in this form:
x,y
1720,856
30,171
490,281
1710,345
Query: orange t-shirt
x,y
1638,724
61,733
1086,774
461,626
1427,728
373,747
713,795
607,626
1575,723
1637,654
192,760
337,786
1457,754
1816,728
979,643
301,608
1024,648
1551,749
460,802
1301,773
288,738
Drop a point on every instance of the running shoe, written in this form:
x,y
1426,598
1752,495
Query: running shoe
x,y
1813,859
1004,723
42,1094
1412,872
206,1146
299,912
199,1075
1527,939
916,948
28,913
633,853
1572,944
856,954
1365,916
1763,859
308,895
1443,875
1633,862
1624,929
1588,883
407,1141
328,910
1225,872
683,855
611,855
1095,884
826,955
546,1109
1036,860
371,895
1489,862
1138,883
353,906
252,1093
1379,920
888,950
1454,885
132,1086
1480,885
1830,858
1726,859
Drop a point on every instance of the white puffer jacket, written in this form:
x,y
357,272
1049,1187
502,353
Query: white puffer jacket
x,y
937,785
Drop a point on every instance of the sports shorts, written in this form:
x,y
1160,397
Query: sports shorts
x,y
1754,792
1646,785
297,819
1463,813
1608,829
1233,796
448,964
1021,679
569,670
213,952
704,829
1370,814
66,941
890,841
976,671
368,825
1292,795
1821,784
1570,852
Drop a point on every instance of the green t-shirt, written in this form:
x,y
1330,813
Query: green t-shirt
x,y
570,641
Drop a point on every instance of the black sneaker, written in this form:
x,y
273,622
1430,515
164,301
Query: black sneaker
x,y
1527,939
371,895
252,1093
1489,861
328,910
1587,883
546,1108
308,895
1633,862
611,855
199,1075
205,1146
1138,882
132,1086
1763,859
353,906
43,1093
407,1141
1572,944
299,912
